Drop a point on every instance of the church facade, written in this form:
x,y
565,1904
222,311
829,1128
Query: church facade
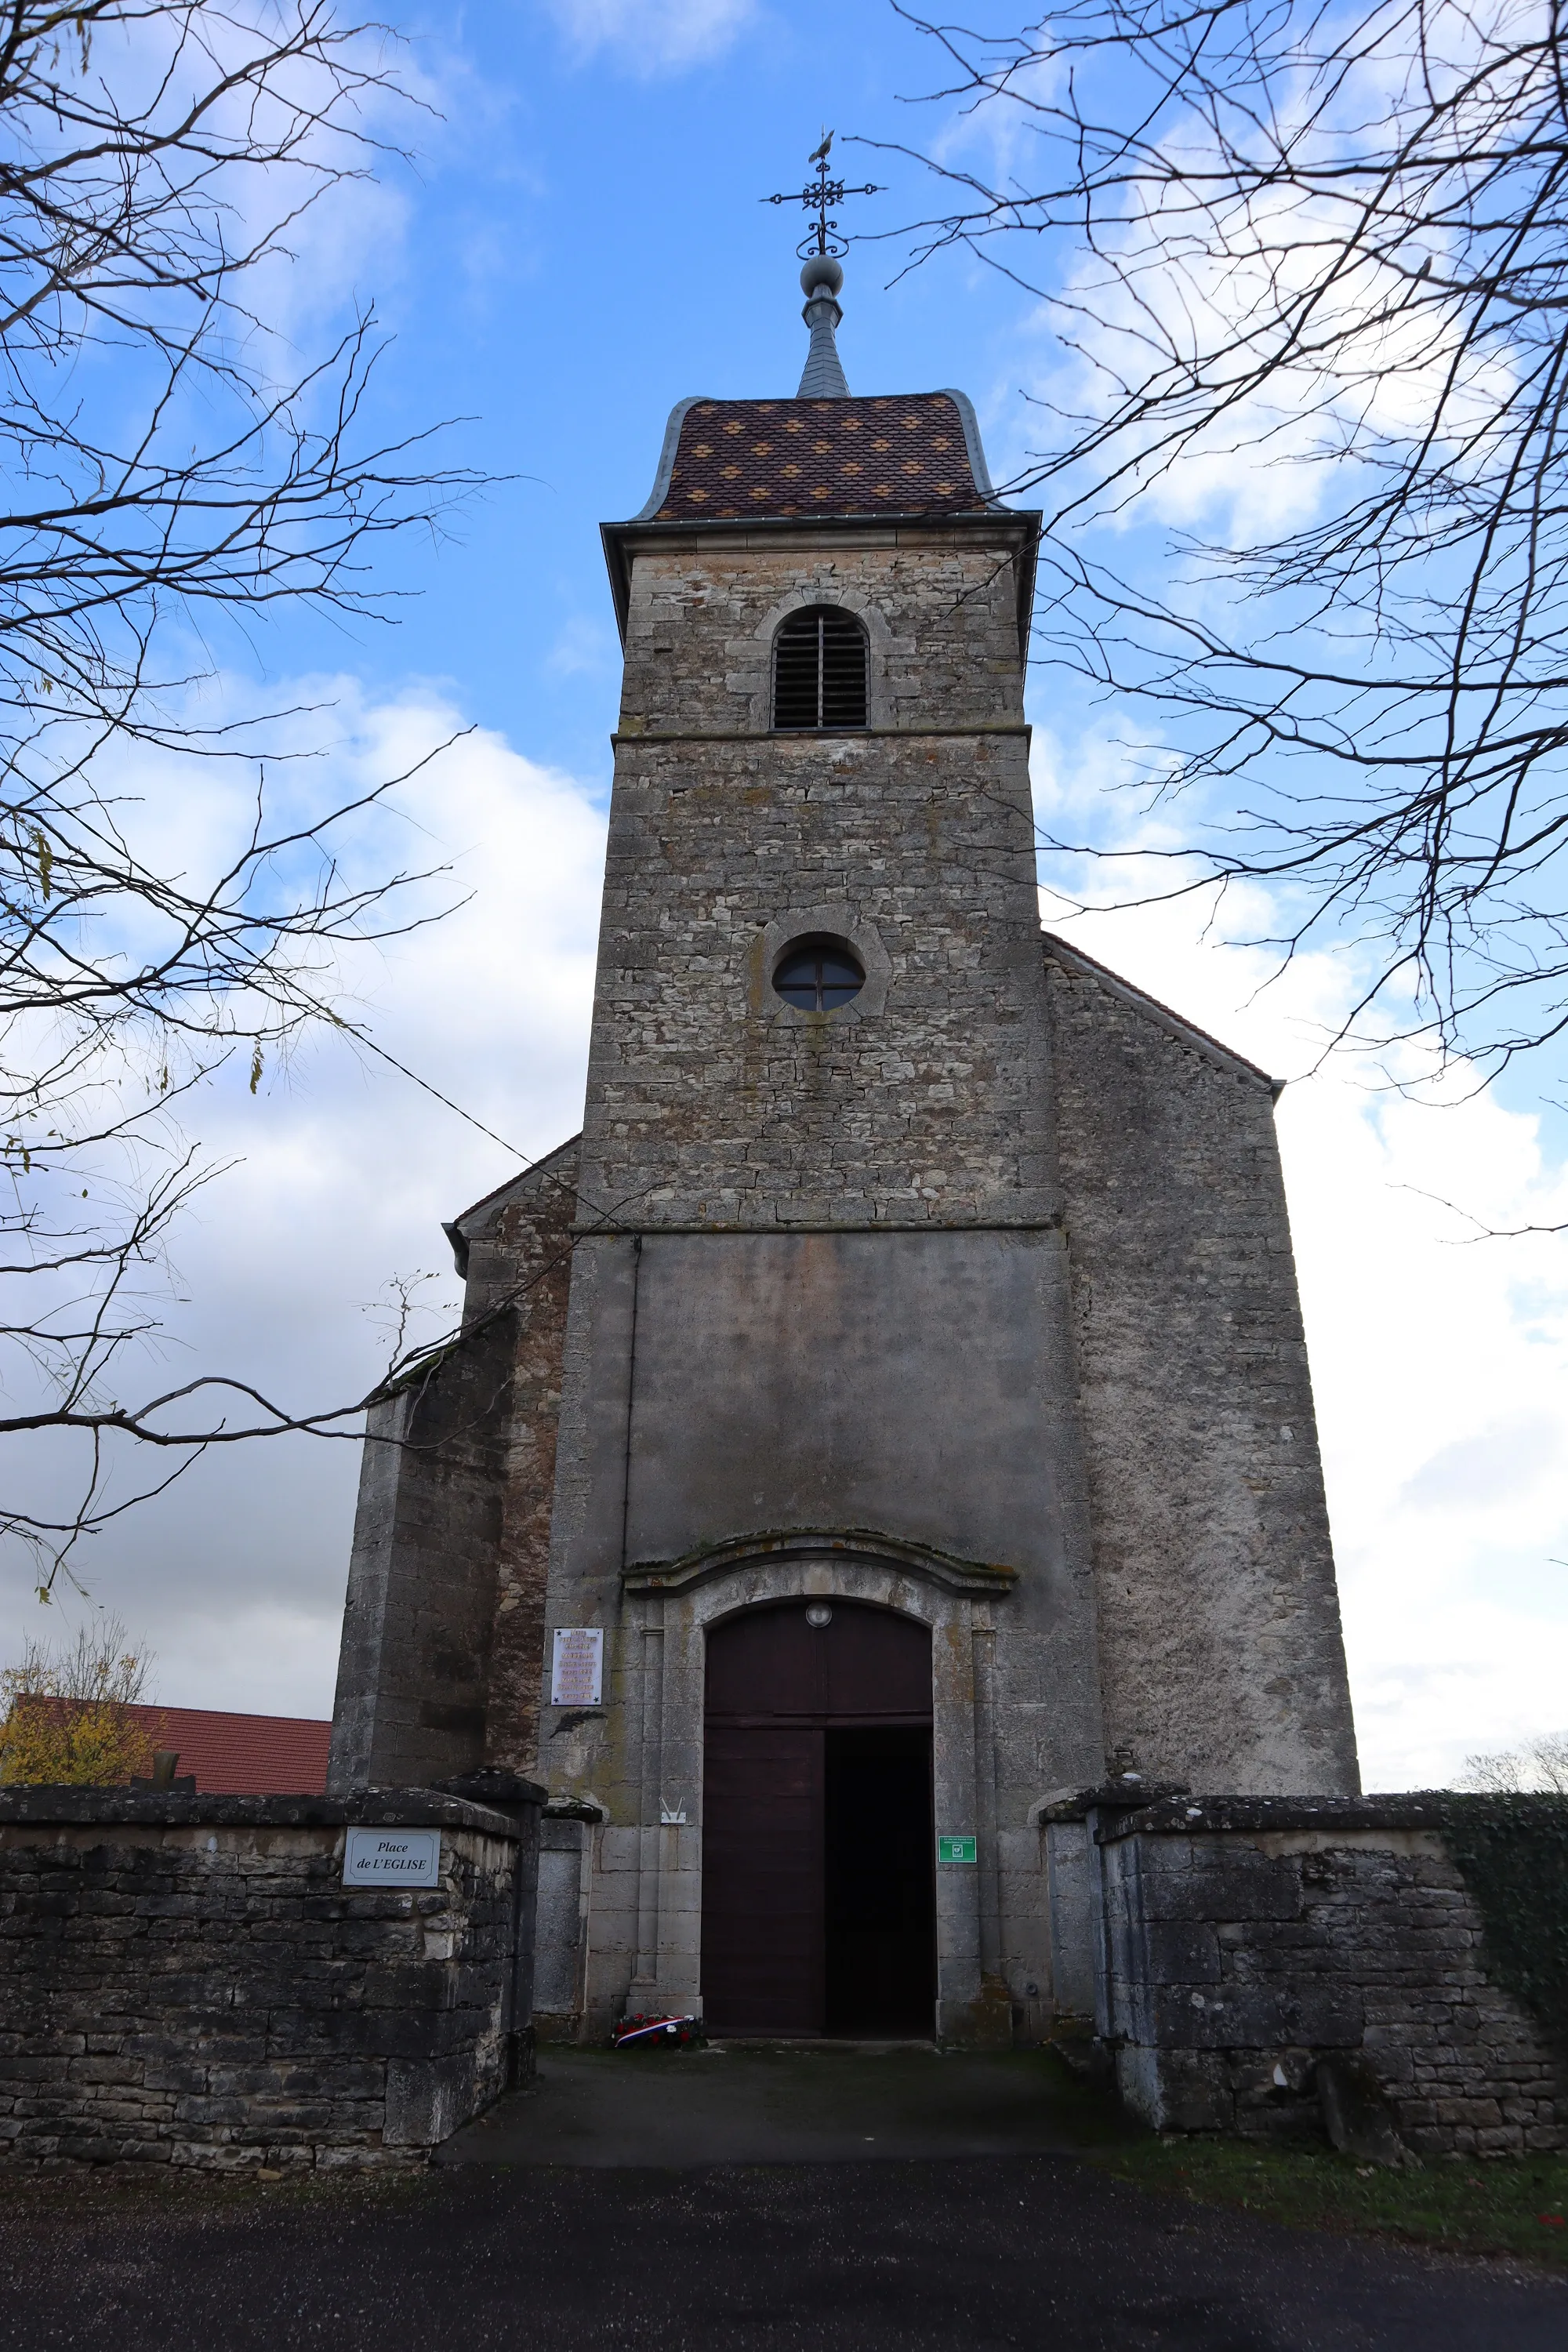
x,y
893,1410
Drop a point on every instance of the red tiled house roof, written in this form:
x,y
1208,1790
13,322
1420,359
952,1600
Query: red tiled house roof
x,y
243,1755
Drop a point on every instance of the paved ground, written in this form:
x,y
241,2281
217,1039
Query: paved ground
x,y
943,2254
828,2104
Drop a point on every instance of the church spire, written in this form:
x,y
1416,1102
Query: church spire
x,y
822,378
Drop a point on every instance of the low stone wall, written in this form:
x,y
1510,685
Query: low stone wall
x,y
188,1980
1249,1940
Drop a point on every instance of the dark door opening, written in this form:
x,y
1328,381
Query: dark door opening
x,y
879,1885
818,1863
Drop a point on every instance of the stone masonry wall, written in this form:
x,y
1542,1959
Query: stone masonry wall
x,y
188,1981
710,1100
520,1263
439,1672
1246,1941
1221,1657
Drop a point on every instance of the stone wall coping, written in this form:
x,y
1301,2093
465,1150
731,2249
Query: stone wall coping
x,y
1107,1796
467,1224
724,1228
1411,1808
920,729
1187,1033
159,1808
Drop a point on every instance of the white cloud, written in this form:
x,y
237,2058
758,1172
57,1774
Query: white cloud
x,y
337,227
1440,1363
346,1174
1487,1473
582,646
998,137
1187,293
651,36
1440,1368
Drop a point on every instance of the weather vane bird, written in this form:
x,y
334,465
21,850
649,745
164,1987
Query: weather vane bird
x,y
820,195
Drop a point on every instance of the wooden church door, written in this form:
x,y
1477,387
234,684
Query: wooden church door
x,y
818,1863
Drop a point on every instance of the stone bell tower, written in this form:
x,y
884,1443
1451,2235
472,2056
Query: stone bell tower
x,y
926,1418
819,1341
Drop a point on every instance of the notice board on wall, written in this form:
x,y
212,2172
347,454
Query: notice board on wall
x,y
577,1666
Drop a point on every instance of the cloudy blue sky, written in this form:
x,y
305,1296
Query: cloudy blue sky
x,y
580,245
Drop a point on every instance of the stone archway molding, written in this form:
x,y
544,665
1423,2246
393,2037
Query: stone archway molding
x,y
952,1572
651,1872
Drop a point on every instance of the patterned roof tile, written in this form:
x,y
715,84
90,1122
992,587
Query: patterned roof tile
x,y
780,458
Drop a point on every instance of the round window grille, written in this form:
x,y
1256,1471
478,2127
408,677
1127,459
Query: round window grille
x,y
818,975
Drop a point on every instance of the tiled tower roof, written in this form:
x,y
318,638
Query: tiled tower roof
x,y
917,454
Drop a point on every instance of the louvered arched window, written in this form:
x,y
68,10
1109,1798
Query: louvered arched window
x,y
819,669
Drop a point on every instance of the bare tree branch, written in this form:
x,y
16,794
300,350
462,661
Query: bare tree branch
x,y
165,461
1309,267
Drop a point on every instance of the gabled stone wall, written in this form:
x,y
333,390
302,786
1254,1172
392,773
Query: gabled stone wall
x,y
439,1672
1221,1658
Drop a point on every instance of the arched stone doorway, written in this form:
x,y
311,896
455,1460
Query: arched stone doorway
x,y
819,1884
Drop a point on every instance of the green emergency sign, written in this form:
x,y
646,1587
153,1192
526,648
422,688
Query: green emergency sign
x,y
955,1849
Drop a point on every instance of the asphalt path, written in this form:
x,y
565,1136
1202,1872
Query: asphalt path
x,y
790,2102
879,2253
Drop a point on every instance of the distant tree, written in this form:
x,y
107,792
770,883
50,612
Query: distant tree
x,y
1308,267
67,1720
1541,1762
170,469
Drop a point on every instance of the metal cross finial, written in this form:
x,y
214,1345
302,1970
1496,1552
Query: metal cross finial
x,y
819,196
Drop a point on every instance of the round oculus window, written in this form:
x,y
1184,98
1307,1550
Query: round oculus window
x,y
818,975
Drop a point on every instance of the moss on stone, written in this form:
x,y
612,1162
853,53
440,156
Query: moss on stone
x,y
1512,1854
